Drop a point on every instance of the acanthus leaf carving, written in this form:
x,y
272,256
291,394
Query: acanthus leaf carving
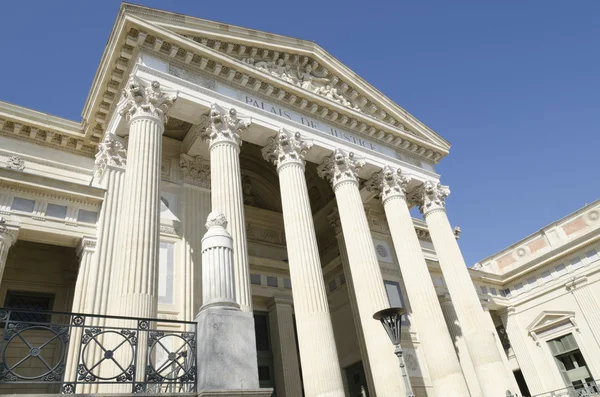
x,y
388,182
431,196
340,167
195,170
137,100
223,126
285,148
111,153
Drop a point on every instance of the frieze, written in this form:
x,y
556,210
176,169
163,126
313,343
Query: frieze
x,y
264,234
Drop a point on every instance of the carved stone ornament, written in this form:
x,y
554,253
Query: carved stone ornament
x,y
216,219
195,170
15,163
431,196
223,126
334,220
7,235
137,100
303,76
340,167
389,183
285,148
111,152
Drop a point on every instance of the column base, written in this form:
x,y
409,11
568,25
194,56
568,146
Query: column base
x,y
226,351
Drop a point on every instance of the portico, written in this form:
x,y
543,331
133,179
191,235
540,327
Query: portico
x,y
276,135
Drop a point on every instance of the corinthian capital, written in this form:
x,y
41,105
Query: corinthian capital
x,y
137,100
196,170
223,126
431,196
111,153
286,148
340,167
8,234
388,182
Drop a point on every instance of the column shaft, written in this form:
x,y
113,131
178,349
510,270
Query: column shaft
x,y
461,347
519,345
446,375
227,197
491,372
8,235
587,303
318,354
140,220
285,354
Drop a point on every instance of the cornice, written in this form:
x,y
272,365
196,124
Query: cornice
x,y
40,128
135,33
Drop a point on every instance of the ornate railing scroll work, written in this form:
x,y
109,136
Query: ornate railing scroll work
x,y
590,388
64,352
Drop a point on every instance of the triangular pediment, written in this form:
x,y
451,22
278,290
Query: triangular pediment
x,y
549,319
296,73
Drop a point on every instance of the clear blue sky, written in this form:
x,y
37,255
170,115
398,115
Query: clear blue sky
x,y
513,85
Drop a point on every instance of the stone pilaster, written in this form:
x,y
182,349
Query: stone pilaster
x,y
460,345
222,131
334,221
318,354
8,236
587,303
446,375
341,170
492,374
145,110
517,338
285,354
196,207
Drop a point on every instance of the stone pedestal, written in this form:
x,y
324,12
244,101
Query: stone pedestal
x,y
492,374
341,170
318,354
226,340
446,375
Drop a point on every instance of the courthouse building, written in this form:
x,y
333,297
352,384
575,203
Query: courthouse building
x,y
316,173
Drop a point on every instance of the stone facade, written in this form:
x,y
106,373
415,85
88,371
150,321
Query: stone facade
x,y
315,172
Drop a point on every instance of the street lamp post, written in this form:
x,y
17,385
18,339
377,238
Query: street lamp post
x,y
391,319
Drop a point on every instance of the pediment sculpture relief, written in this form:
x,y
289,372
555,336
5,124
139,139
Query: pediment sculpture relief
x,y
302,76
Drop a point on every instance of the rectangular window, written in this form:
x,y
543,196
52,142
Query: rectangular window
x,y
56,211
21,204
592,255
255,279
392,288
272,281
287,283
571,362
87,216
332,285
342,279
560,270
484,289
576,263
30,301
261,329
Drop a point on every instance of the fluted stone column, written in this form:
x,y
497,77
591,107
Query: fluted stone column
x,y
85,252
318,354
8,236
587,303
517,336
446,375
492,374
196,207
222,131
336,224
285,354
341,170
460,345
145,110
109,173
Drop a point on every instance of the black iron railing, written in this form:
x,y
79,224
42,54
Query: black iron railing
x,y
587,389
75,352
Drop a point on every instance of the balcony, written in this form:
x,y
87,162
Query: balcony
x,y
55,352
583,389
